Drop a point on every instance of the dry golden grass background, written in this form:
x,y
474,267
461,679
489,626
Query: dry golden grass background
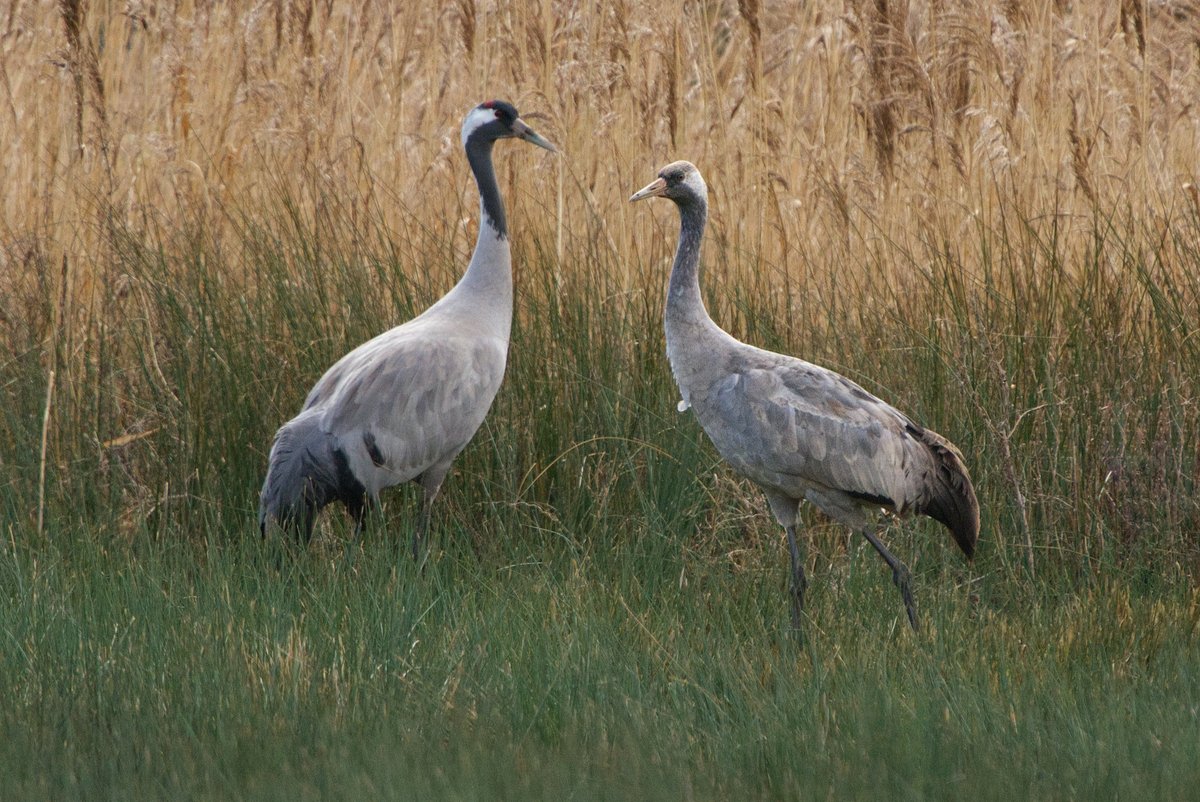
x,y
826,129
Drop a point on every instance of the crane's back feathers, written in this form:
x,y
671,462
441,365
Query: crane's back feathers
x,y
402,404
409,402
803,431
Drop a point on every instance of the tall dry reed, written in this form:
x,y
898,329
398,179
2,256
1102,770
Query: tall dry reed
x,y
824,128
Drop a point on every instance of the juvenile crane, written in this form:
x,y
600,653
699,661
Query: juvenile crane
x,y
401,406
798,430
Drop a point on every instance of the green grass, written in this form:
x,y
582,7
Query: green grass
x,y
199,671
603,614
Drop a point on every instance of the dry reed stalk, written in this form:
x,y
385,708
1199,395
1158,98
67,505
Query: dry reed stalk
x,y
1002,433
1133,20
672,82
1081,151
749,9
466,20
85,69
954,65
70,15
41,505
872,29
57,325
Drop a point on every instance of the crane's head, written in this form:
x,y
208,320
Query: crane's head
x,y
679,181
497,119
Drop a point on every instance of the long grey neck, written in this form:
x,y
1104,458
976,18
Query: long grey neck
x,y
685,307
482,300
488,280
694,341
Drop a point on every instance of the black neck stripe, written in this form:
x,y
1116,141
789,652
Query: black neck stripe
x,y
479,154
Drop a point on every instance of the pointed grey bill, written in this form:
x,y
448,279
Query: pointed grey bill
x,y
655,188
523,131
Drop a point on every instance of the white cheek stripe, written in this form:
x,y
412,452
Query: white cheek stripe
x,y
477,117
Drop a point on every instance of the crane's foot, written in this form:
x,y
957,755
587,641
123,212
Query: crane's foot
x,y
796,590
900,576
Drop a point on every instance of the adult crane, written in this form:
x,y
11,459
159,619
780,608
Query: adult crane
x,y
401,406
797,430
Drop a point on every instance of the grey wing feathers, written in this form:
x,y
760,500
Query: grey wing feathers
x,y
387,412
804,422
792,419
402,406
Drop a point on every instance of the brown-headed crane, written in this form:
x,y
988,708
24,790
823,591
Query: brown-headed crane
x,y
797,430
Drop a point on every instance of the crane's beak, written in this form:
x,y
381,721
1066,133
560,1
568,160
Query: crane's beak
x,y
523,131
654,189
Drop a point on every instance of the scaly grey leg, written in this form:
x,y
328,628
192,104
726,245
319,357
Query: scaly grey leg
x,y
431,483
422,529
799,583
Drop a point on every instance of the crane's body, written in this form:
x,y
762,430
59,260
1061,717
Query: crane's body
x,y
403,405
798,430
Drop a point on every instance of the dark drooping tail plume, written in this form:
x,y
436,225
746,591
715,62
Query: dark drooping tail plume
x,y
307,470
951,500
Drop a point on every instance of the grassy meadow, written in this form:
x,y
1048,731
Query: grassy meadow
x,y
985,213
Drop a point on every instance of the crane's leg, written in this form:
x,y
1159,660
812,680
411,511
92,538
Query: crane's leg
x,y
784,508
900,576
799,583
422,529
359,510
431,483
